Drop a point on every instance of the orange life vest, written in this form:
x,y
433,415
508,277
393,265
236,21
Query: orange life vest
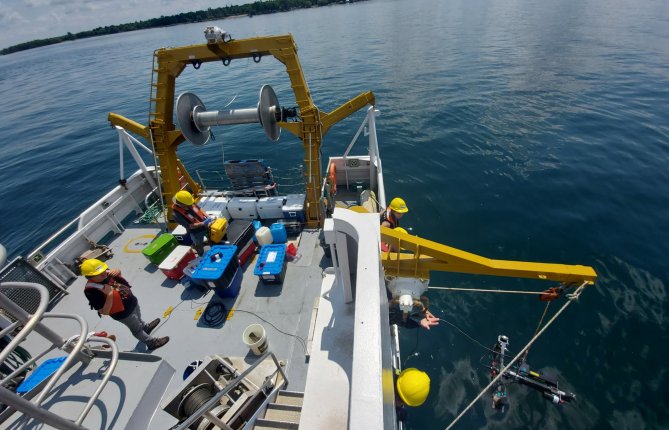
x,y
117,302
193,213
387,215
332,174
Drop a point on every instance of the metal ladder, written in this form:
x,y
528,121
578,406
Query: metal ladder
x,y
283,413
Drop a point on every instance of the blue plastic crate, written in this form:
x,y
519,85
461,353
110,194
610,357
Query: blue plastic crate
x,y
218,267
233,288
271,264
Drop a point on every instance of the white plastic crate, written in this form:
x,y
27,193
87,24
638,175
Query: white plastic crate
x,y
293,208
243,208
270,207
216,206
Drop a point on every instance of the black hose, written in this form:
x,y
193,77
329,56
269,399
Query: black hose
x,y
214,314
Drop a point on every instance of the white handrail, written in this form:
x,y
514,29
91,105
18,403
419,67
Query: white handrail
x,y
28,408
33,321
128,140
26,365
357,134
105,379
70,357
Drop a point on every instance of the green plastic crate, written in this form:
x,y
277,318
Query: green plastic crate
x,y
160,248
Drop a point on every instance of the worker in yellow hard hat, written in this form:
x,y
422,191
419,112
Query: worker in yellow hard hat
x,y
413,386
192,217
110,294
394,212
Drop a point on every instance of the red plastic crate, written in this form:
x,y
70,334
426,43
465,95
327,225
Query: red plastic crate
x,y
174,264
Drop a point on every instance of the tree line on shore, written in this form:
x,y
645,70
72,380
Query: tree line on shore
x,y
250,9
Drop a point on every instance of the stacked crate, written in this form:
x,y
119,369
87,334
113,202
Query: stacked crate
x,y
250,178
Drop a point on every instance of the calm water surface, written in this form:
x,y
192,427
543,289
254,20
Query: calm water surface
x,y
515,130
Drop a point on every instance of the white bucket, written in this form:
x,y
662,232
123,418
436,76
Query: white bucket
x,y
264,236
254,336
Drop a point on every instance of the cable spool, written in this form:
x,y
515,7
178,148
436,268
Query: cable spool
x,y
195,121
193,399
218,412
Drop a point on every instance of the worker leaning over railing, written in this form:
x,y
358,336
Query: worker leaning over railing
x,y
394,212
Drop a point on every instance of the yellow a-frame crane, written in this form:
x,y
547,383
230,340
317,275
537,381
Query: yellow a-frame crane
x,y
165,138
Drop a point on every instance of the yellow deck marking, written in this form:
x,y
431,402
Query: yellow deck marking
x,y
168,312
230,314
137,244
198,313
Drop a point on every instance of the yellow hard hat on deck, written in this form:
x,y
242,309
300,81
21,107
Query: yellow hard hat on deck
x,y
413,386
184,197
397,204
400,230
93,267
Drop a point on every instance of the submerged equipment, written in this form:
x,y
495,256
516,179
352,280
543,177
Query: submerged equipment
x,y
413,386
521,374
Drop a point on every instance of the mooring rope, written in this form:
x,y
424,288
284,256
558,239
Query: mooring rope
x,y
571,298
541,321
478,290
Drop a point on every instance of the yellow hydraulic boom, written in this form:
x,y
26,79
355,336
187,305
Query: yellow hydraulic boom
x,y
162,133
427,255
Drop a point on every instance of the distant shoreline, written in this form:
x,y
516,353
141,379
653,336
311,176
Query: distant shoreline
x,y
249,9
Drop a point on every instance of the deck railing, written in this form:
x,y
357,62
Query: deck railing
x,y
103,217
33,322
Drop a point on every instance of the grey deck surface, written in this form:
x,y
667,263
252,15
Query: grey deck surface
x,y
279,308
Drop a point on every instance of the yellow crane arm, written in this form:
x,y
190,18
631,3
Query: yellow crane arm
x,y
428,255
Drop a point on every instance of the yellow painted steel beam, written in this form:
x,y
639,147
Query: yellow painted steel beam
x,y
130,125
428,255
162,133
347,109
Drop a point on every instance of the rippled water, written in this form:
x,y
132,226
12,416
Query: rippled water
x,y
515,130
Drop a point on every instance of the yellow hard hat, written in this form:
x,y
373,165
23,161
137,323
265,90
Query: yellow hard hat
x,y
398,205
93,267
413,386
183,197
400,230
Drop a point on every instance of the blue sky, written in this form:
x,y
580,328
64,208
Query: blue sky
x,y
25,20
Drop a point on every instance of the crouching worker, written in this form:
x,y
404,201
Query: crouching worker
x,y
110,294
192,217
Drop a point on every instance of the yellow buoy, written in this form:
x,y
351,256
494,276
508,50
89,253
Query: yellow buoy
x,y
413,386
